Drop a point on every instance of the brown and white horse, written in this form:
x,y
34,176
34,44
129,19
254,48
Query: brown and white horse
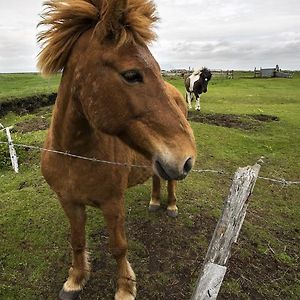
x,y
195,85
112,105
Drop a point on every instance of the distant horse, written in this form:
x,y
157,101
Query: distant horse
x,y
195,85
112,105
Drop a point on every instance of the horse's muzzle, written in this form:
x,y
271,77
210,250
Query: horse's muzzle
x,y
168,172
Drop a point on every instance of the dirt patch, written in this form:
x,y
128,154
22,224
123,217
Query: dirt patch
x,y
32,125
167,255
26,104
264,118
246,122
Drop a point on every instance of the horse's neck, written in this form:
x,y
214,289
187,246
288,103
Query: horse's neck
x,y
69,129
193,79
71,132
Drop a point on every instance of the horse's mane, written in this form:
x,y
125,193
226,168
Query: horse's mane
x,y
207,73
196,72
68,19
203,70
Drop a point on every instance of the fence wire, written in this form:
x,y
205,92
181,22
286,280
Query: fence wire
x,y
122,164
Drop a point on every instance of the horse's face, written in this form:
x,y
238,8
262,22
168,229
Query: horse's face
x,y
123,94
205,77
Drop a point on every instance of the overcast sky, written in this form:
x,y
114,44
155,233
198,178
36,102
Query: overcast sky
x,y
219,34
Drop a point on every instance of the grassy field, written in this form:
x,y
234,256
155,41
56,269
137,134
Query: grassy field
x,y
21,85
166,254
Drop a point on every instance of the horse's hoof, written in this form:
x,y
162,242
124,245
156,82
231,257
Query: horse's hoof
x,y
63,295
172,213
124,296
153,208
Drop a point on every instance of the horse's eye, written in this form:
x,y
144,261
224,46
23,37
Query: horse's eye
x,y
132,76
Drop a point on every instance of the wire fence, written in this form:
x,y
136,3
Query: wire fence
x,y
213,270
14,160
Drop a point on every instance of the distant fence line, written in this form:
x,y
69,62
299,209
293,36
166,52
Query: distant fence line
x,y
223,73
215,72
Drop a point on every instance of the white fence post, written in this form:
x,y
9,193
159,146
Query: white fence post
x,y
225,234
12,151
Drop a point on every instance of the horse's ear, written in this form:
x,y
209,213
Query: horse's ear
x,y
112,15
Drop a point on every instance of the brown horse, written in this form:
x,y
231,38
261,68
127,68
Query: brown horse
x,y
172,210
112,105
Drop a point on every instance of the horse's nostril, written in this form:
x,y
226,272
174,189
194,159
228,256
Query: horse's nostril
x,y
188,166
172,171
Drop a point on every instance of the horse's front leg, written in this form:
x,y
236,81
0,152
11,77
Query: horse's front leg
x,y
154,204
188,97
172,209
80,269
114,213
197,107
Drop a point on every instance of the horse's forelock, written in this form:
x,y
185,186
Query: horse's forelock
x,y
127,21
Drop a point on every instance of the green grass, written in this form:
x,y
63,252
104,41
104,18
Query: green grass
x,y
27,84
34,253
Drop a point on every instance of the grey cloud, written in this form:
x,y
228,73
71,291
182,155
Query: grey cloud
x,y
237,54
216,33
229,34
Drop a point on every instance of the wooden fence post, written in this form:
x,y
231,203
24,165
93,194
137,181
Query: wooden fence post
x,y
12,151
225,234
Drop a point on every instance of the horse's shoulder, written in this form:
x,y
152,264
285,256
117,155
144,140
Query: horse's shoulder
x,y
195,76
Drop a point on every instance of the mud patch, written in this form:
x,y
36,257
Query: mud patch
x,y
26,104
34,124
264,118
167,256
246,122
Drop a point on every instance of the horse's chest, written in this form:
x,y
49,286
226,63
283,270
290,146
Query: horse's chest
x,y
193,79
139,174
